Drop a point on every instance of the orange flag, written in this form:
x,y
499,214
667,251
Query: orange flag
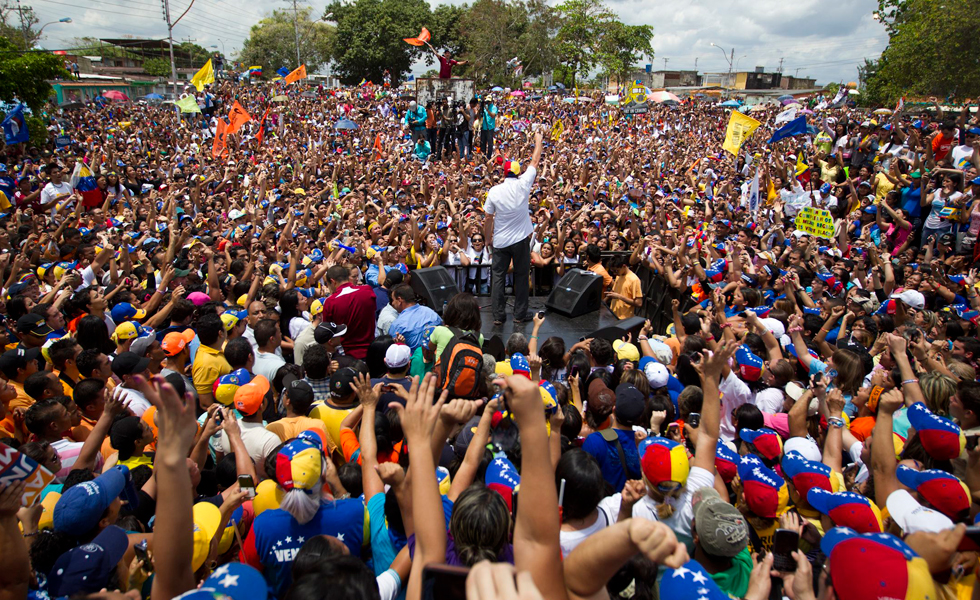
x,y
296,75
261,133
424,37
237,117
220,146
378,150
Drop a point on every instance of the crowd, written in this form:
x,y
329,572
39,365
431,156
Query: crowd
x,y
215,353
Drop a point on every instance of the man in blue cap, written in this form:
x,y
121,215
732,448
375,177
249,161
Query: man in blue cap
x,y
92,567
88,508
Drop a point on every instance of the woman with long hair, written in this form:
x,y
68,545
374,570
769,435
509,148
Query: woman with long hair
x,y
292,315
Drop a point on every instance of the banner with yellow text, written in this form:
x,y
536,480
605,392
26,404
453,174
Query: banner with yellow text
x,y
740,128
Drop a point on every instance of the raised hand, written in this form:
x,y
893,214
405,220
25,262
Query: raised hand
x,y
365,392
421,410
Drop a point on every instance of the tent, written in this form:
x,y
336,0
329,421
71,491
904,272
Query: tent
x,y
730,104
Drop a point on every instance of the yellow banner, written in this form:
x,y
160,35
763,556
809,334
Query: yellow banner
x,y
203,77
740,128
557,129
816,221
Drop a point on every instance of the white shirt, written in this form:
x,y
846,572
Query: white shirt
x,y
734,394
385,319
608,512
135,401
680,520
508,203
250,336
259,441
53,192
267,364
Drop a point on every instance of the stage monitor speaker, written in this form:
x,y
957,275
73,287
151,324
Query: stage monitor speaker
x,y
434,286
620,329
579,292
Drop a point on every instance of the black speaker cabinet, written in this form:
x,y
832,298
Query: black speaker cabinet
x,y
434,286
579,292
620,329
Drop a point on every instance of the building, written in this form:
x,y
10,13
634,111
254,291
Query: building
x,y
658,80
797,83
744,80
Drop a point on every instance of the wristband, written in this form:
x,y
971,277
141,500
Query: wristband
x,y
876,393
904,381
710,338
642,338
724,325
835,422
795,329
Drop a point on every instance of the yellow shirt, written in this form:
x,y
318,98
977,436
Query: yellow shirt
x,y
290,427
628,285
884,186
607,279
331,416
22,400
209,365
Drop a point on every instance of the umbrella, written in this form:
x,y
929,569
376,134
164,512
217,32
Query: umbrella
x,y
553,88
730,103
560,86
662,97
71,105
116,95
536,97
785,97
279,98
795,105
806,111
496,88
308,94
758,108
518,94
612,99
883,111
853,92
153,97
345,124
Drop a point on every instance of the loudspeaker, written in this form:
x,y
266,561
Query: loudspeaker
x,y
434,287
620,329
579,292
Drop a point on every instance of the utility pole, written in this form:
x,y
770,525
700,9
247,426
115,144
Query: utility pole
x,y
23,25
665,64
296,31
797,73
780,69
170,37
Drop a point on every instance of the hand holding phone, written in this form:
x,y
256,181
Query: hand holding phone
x,y
784,543
246,483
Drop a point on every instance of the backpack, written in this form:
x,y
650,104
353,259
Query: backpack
x,y
461,365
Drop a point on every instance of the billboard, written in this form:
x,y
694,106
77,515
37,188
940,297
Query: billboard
x,y
431,88
635,102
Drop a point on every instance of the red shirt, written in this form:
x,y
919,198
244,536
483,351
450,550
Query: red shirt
x,y
354,306
446,67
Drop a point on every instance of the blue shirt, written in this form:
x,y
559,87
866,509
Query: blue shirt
x,y
419,115
911,196
371,276
490,117
412,323
384,546
422,150
608,457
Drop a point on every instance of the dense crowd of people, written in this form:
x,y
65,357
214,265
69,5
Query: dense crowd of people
x,y
214,352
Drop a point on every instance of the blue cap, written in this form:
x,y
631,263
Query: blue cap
x,y
124,311
234,580
88,568
975,181
871,210
825,188
79,510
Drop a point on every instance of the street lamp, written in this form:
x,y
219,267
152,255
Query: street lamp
x,y
738,59
64,20
729,57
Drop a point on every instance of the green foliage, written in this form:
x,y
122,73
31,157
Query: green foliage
x,y
10,24
199,54
445,29
38,129
158,67
932,51
272,42
25,75
583,23
620,48
370,37
497,31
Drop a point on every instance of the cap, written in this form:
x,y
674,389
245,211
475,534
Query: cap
x,y
656,372
325,332
805,447
765,441
519,365
941,438
229,319
249,397
17,358
626,350
913,517
207,519
233,580
235,213
397,356
88,568
342,382
173,343
690,581
300,462
847,509
722,530
750,366
316,307
898,572
198,298
943,491
128,330
663,460
726,461
807,475
79,509
503,478
33,324
512,168
226,387
911,298
124,311
765,492
129,363
630,403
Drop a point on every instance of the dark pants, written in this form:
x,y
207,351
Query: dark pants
x,y
486,142
520,253
463,141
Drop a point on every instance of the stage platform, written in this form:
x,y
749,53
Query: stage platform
x,y
571,330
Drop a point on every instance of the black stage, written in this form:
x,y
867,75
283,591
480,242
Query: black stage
x,y
571,330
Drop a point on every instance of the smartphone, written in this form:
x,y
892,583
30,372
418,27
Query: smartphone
x,y
971,442
694,420
513,504
143,555
388,387
971,540
784,543
444,582
246,483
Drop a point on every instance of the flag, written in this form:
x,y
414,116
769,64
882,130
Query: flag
x,y
786,116
422,38
220,146
15,127
237,117
900,106
296,75
255,71
754,193
188,104
841,96
740,128
82,180
336,191
204,76
282,71
802,171
795,127
261,132
378,150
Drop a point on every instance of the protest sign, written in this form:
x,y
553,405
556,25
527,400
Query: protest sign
x,y
816,221
15,467
636,100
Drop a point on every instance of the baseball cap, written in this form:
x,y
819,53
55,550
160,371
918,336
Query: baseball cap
x,y
198,298
129,363
325,332
911,298
847,509
248,397
765,492
229,319
656,373
17,358
124,311
128,330
89,567
722,530
33,324
226,387
806,474
806,448
630,403
235,213
173,343
519,365
690,581
913,517
316,307
766,442
397,356
825,188
342,382
663,460
626,350
79,509
299,462
512,168
943,491
207,519
898,571
750,366
503,478
941,438
233,580
726,461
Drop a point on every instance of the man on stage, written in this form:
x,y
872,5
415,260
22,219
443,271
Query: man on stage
x,y
508,231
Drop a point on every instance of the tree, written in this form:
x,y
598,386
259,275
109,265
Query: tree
x,y
620,46
497,31
370,37
272,42
12,16
199,55
583,22
933,50
445,29
25,75
158,67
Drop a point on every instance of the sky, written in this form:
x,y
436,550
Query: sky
x,y
814,38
